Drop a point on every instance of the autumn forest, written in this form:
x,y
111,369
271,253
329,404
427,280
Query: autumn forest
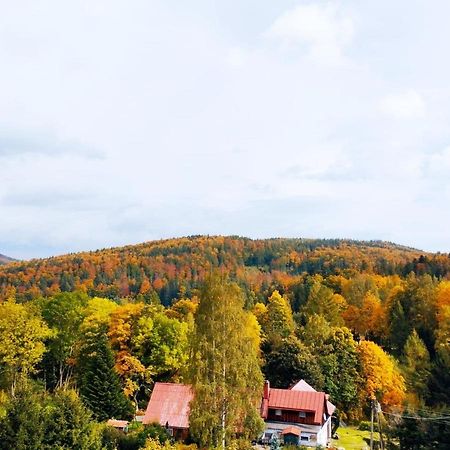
x,y
85,336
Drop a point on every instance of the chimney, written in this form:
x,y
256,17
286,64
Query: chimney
x,y
266,390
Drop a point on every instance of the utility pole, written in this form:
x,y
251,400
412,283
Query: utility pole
x,y
371,424
379,425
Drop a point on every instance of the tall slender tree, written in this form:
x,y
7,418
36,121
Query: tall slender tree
x,y
225,372
417,366
99,384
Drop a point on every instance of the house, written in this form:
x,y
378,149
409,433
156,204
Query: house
x,y
299,414
169,406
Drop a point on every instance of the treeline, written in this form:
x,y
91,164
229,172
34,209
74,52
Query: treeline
x,y
164,268
359,339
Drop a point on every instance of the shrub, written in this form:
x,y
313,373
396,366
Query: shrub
x,y
365,426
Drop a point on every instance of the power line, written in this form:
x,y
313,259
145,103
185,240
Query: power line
x,y
428,411
402,416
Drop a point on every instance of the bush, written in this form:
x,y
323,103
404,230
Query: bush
x,y
136,438
154,444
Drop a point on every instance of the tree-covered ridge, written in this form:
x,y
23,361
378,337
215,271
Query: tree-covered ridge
x,y
166,267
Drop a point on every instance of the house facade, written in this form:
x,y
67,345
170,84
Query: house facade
x,y
297,415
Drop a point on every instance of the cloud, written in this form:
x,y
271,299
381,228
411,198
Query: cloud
x,y
325,29
329,161
29,144
187,122
404,105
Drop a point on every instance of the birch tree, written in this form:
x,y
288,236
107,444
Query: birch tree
x,y
225,372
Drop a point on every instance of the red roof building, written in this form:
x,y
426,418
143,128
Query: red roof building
x,y
169,406
301,408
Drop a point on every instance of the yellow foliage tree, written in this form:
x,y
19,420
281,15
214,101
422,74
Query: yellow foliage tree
x,y
124,320
183,309
368,319
382,379
279,320
22,335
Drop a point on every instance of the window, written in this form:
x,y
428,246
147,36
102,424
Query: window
x,y
304,438
301,414
278,412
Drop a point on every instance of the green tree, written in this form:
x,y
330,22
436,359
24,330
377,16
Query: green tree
x,y
23,426
338,360
22,335
64,314
315,332
279,322
291,361
417,366
69,424
99,384
161,344
225,372
323,301
399,326
419,303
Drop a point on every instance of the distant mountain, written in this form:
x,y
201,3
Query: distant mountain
x,y
5,259
169,267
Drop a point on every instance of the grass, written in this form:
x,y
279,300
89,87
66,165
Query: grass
x,y
351,438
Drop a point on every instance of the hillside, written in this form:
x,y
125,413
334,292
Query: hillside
x,y
357,320
167,267
5,259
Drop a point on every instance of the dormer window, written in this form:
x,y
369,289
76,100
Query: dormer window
x,y
302,414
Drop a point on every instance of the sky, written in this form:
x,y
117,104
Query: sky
x,y
123,122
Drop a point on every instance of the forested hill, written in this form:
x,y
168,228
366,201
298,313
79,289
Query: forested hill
x,y
167,267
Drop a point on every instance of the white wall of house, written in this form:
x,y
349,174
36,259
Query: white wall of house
x,y
324,435
317,435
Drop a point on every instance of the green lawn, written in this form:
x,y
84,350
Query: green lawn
x,y
351,438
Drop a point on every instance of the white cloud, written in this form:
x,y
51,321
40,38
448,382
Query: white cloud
x,y
326,29
184,121
404,105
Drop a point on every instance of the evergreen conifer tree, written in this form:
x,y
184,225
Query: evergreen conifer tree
x,y
417,366
69,424
99,384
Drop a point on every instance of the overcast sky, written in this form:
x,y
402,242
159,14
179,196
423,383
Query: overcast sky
x,y
126,121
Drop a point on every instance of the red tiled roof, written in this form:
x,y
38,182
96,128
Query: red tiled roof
x,y
298,401
302,385
292,430
169,403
